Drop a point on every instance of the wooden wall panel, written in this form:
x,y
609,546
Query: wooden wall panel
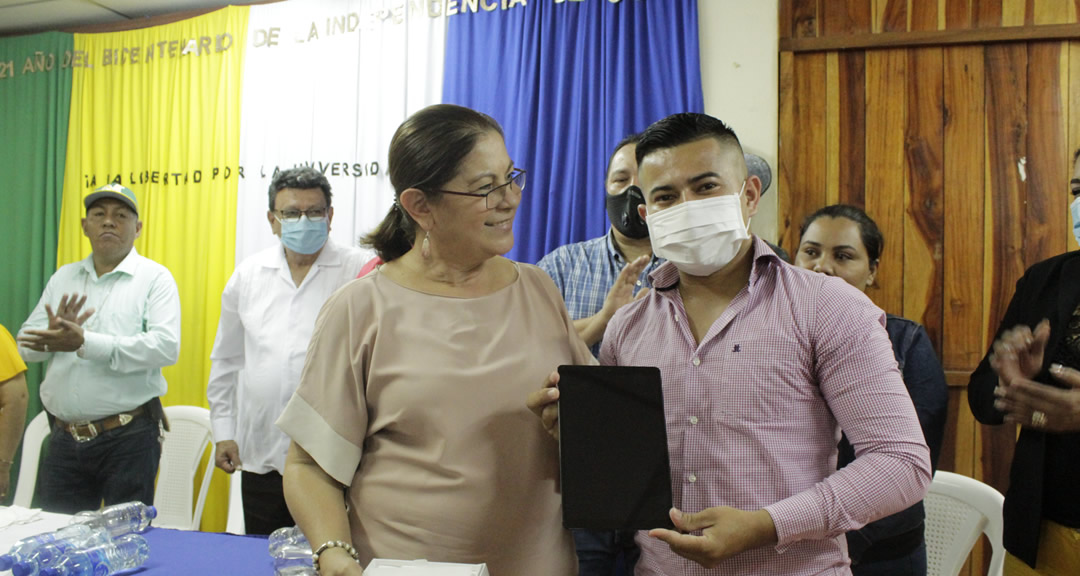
x,y
803,169
957,14
961,153
1006,112
1051,11
845,17
886,77
923,225
1014,12
923,15
1048,157
832,128
804,18
962,326
852,137
986,13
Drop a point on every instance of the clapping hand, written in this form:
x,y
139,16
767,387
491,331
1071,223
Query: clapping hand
x,y
64,332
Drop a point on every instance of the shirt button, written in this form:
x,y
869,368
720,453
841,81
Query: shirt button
x,y
692,478
693,419
696,361
638,282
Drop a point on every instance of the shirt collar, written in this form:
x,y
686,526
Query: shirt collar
x,y
613,250
666,276
126,266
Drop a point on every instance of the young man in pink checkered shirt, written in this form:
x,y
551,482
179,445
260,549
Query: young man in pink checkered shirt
x,y
763,364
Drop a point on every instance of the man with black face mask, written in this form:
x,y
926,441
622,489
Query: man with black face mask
x,y
596,277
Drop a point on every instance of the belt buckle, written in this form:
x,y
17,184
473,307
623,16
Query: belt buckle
x,y
92,432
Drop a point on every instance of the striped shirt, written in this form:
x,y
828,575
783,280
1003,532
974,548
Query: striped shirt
x,y
754,413
584,273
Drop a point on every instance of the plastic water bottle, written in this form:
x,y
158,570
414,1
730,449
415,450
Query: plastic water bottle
x,y
288,536
48,554
127,552
22,549
119,519
294,560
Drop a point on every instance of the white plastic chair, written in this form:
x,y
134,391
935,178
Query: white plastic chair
x,y
959,510
235,520
183,450
33,438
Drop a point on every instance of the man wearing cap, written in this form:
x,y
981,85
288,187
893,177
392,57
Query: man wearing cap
x,y
105,325
268,312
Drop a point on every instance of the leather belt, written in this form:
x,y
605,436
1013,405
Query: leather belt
x,y
86,431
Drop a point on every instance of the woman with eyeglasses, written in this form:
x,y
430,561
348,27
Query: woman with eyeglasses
x,y
410,439
842,240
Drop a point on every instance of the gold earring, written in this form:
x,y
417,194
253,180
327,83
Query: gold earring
x,y
425,248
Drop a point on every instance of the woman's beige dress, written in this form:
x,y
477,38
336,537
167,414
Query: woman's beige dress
x,y
417,404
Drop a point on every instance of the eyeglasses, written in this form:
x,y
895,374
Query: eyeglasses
x,y
494,196
313,215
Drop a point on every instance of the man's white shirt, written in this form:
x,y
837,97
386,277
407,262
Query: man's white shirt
x,y
262,340
133,333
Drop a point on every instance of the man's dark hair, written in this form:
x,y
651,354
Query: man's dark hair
x,y
1076,155
626,141
871,236
683,128
302,178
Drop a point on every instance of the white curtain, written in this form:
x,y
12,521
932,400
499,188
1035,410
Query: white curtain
x,y
327,82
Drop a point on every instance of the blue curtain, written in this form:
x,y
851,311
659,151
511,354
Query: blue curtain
x,y
567,80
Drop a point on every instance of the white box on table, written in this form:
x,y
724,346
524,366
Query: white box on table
x,y
384,567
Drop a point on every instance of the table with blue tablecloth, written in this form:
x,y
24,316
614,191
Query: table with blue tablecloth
x,y
172,552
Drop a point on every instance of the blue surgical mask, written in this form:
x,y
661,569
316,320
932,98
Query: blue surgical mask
x,y
304,236
1074,208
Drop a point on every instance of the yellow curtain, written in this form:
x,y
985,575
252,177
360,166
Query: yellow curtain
x,y
158,109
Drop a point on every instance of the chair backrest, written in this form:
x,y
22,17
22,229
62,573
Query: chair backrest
x,y
958,511
183,450
235,520
33,438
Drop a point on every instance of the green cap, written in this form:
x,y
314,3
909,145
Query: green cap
x,y
114,190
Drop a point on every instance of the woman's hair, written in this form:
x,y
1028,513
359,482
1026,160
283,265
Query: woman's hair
x,y
871,236
426,152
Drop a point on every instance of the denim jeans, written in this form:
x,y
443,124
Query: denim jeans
x,y
117,466
914,564
606,553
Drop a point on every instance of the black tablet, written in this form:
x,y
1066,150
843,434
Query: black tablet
x,y
613,450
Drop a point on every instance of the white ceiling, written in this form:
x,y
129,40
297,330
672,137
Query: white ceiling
x,y
27,16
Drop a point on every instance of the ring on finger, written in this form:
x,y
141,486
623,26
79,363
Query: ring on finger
x,y
1038,419
46,347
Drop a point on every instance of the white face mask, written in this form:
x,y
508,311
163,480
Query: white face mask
x,y
1074,208
701,236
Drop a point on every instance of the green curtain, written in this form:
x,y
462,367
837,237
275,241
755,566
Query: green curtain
x,y
35,100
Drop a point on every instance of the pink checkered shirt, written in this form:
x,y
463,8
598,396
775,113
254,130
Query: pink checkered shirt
x,y
754,413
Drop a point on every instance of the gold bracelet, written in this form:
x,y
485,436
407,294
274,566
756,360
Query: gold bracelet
x,y
333,544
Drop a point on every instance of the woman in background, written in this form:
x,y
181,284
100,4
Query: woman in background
x,y
410,437
12,406
842,241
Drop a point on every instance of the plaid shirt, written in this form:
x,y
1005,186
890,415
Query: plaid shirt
x,y
584,272
754,413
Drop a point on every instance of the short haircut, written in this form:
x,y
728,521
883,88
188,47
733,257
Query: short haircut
x,y
871,236
626,141
1076,155
302,178
683,128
